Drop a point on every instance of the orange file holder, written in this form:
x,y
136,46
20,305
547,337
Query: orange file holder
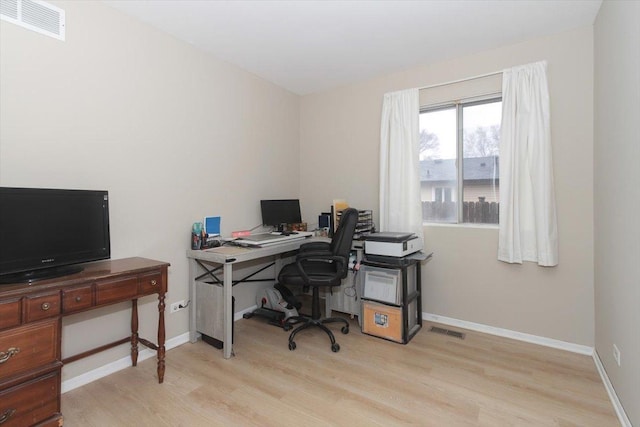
x,y
382,321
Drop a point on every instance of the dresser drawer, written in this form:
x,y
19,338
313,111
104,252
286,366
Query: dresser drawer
x,y
150,283
76,299
31,402
28,347
116,290
42,306
10,313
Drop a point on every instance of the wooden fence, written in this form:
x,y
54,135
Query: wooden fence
x,y
480,212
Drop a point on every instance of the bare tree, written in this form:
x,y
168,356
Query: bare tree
x,y
482,141
429,143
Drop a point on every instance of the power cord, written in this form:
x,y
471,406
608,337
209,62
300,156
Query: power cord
x,y
351,291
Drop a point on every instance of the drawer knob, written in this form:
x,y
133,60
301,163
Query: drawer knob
x,y
154,282
78,299
4,356
45,306
6,415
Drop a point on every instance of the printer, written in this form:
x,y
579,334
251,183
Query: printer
x,y
392,244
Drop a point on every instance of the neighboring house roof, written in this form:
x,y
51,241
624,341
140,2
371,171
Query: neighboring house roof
x,y
475,168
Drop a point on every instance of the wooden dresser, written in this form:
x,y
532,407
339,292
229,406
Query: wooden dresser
x,y
30,331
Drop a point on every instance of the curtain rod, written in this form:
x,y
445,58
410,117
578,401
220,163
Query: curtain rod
x,y
461,80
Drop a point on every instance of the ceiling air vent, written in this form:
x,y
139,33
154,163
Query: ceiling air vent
x,y
35,15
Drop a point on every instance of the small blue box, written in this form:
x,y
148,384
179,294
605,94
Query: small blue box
x,y
212,225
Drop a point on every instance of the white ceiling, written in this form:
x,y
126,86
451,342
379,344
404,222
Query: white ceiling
x,y
311,46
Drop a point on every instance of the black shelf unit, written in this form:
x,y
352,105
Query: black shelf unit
x,y
408,303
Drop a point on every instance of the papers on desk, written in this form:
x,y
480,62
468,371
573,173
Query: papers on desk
x,y
268,239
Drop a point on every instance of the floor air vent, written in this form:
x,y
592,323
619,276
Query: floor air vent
x,y
449,332
35,15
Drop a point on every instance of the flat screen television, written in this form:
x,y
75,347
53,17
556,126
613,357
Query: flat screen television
x,y
275,213
48,233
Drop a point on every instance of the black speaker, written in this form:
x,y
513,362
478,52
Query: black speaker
x,y
324,220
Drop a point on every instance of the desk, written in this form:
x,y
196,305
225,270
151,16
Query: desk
x,y
30,331
226,257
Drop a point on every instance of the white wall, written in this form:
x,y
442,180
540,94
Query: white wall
x,y
123,107
162,126
617,198
340,134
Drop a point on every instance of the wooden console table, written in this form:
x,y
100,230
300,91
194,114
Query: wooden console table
x,y
30,331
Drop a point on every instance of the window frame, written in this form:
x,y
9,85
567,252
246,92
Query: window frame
x,y
459,106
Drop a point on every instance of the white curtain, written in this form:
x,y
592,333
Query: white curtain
x,y
528,225
400,206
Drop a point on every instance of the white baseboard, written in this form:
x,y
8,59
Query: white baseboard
x,y
118,365
125,362
622,415
241,313
548,342
534,339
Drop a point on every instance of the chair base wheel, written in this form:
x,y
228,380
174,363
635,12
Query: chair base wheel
x,y
310,322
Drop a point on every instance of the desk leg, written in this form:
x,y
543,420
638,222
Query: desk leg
x,y
134,332
193,273
228,310
161,337
278,264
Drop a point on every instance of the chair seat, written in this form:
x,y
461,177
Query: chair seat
x,y
320,273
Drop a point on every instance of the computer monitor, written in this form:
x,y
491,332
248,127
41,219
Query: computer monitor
x,y
275,213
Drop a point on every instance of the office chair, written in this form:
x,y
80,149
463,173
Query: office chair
x,y
321,264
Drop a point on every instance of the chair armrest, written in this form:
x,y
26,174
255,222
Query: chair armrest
x,y
314,246
321,256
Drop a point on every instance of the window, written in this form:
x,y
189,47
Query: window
x,y
442,194
467,130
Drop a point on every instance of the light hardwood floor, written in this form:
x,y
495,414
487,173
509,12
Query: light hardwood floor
x,y
435,380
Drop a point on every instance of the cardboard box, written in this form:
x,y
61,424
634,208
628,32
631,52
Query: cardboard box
x,y
382,321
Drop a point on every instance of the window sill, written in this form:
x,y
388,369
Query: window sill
x,y
463,225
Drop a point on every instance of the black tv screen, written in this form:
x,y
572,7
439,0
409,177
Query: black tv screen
x,y
278,212
48,232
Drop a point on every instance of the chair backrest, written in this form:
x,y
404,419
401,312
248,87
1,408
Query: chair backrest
x,y
342,238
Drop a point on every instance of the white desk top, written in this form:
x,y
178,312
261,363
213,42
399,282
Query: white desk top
x,y
234,254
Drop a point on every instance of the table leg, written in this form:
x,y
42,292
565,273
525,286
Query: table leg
x,y
228,311
134,332
161,337
193,272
